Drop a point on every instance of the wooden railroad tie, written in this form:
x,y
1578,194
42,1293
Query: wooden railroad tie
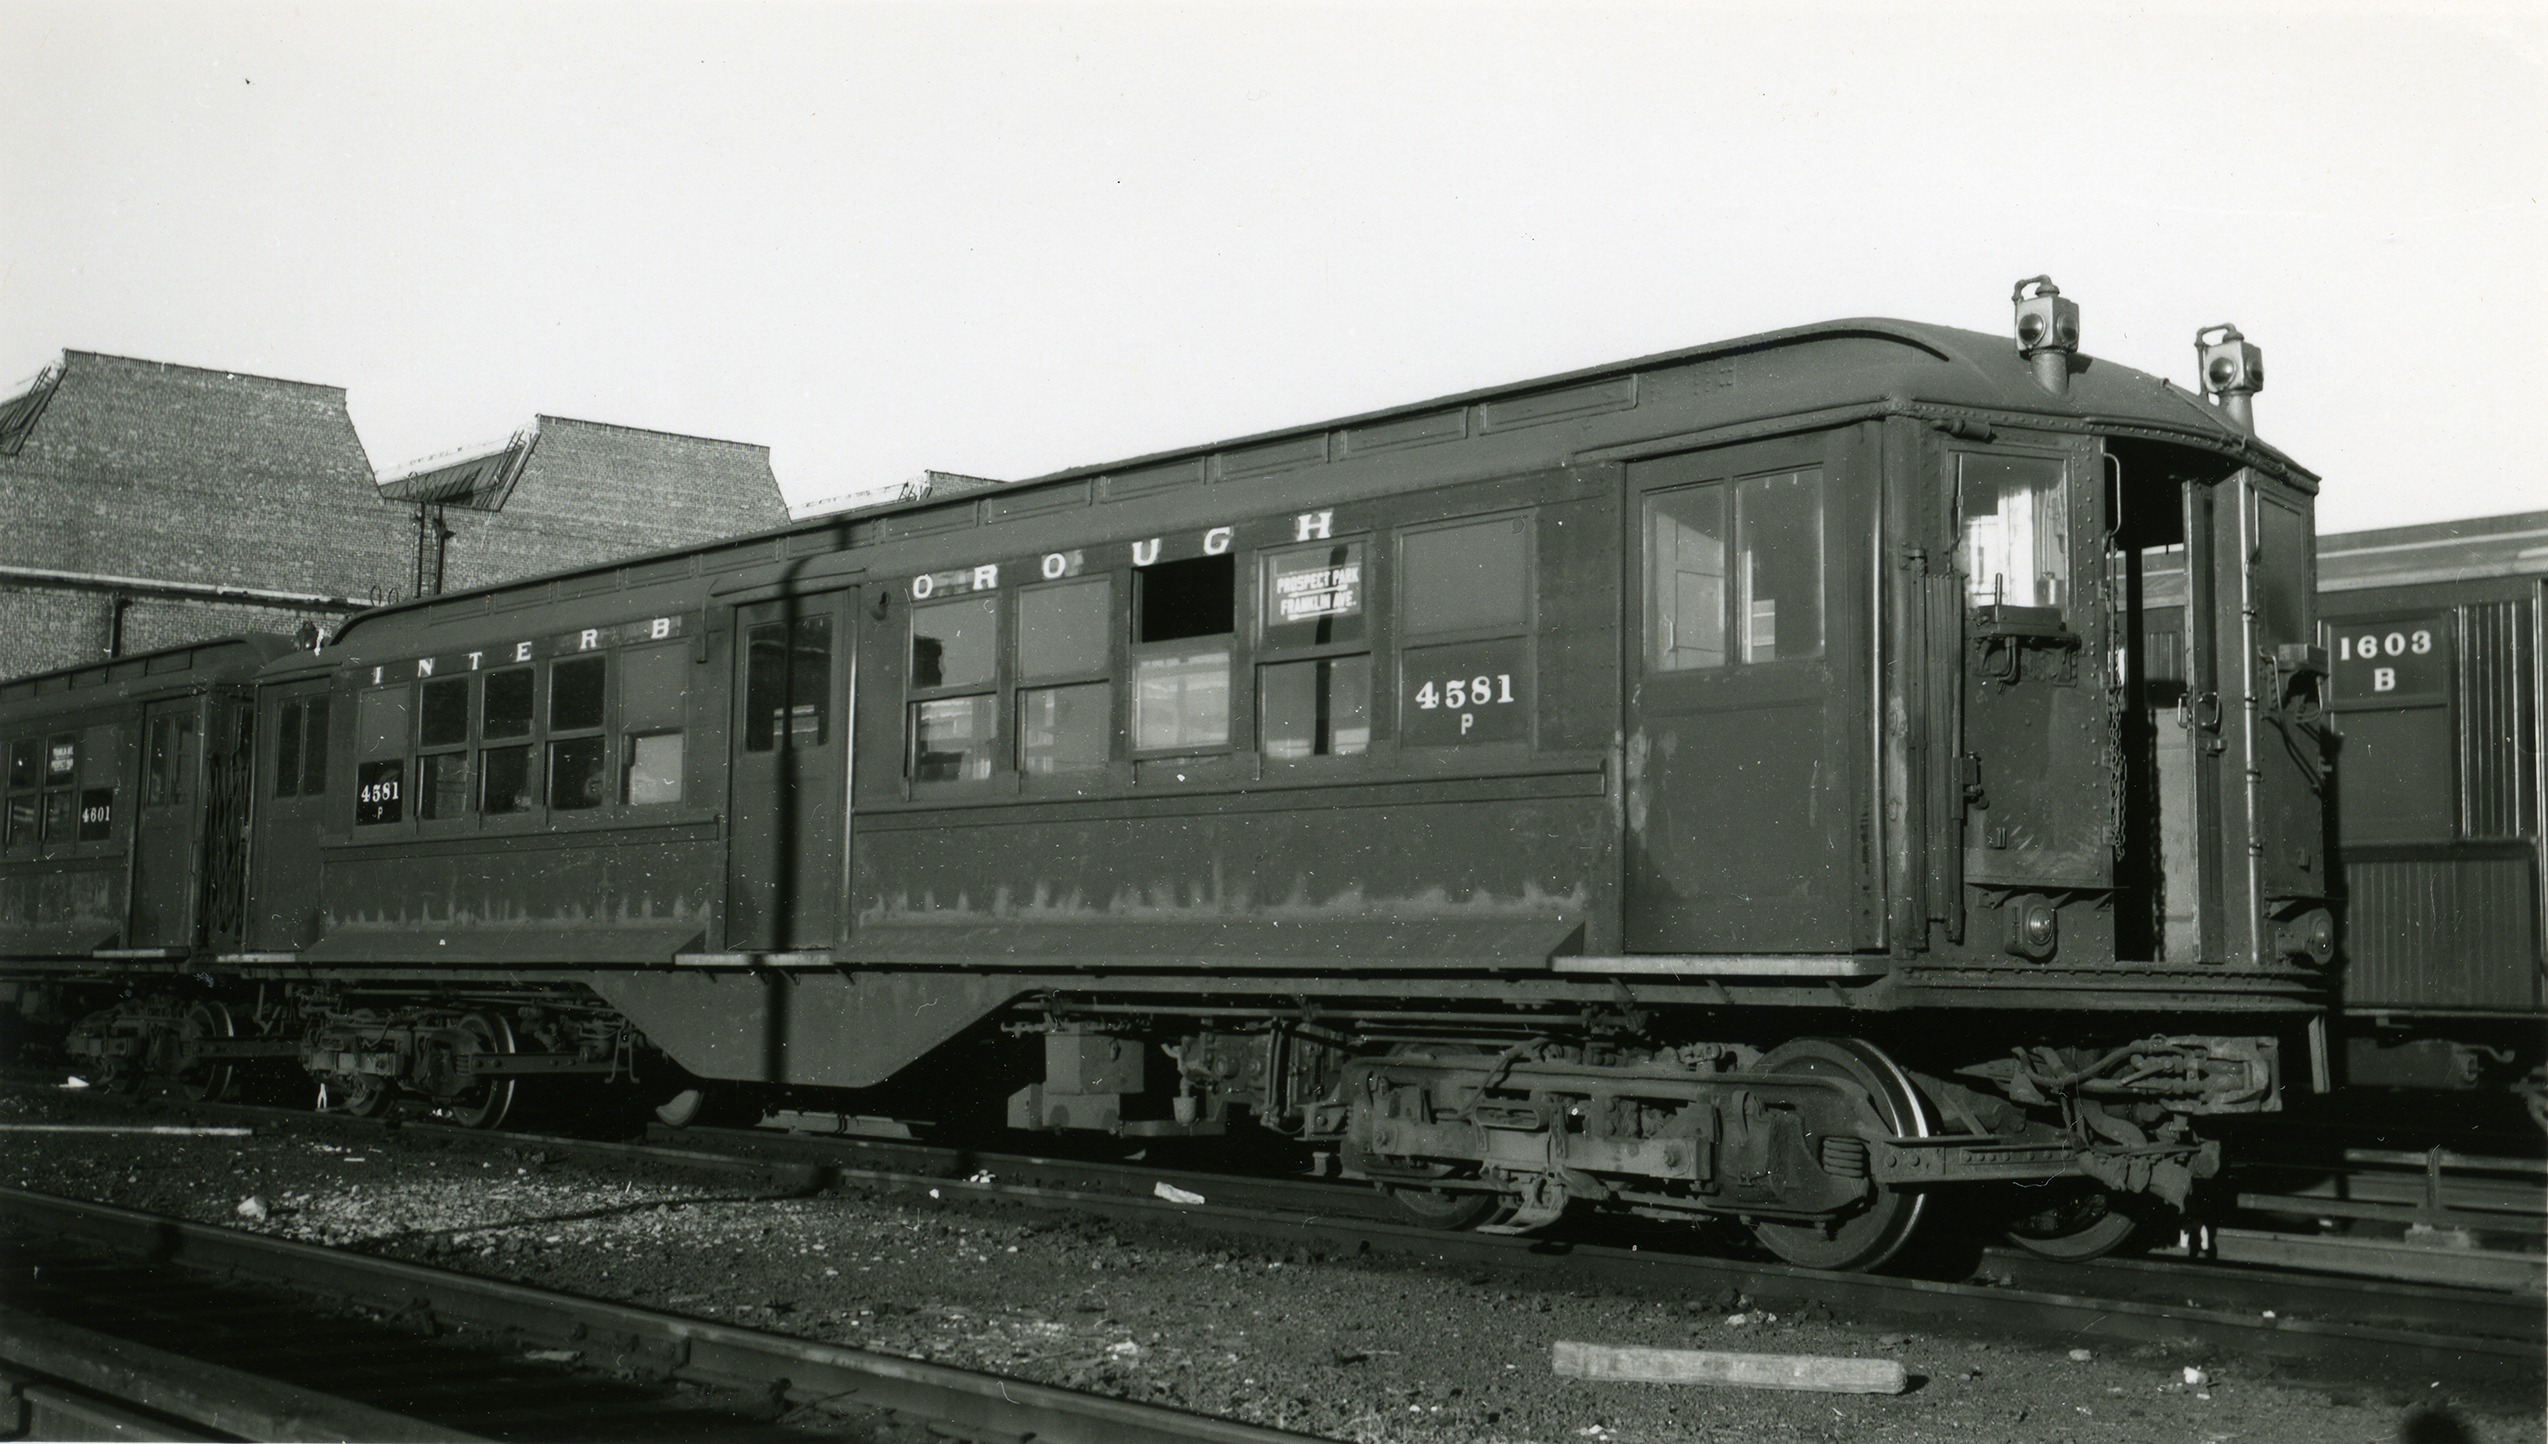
x,y
1574,1360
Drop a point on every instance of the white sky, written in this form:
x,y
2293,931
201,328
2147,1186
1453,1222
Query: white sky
x,y
1003,240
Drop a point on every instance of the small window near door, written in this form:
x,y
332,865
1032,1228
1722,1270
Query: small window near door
x,y
1760,599
787,681
168,772
2015,513
300,748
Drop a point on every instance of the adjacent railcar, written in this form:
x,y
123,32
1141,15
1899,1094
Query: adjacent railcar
x,y
2433,635
1717,784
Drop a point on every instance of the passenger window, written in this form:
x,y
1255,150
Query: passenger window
x,y
575,693
653,696
1316,708
23,804
1313,596
442,777
1062,629
955,644
951,739
577,774
1466,578
2015,512
1709,605
508,703
1063,635
1184,617
1314,599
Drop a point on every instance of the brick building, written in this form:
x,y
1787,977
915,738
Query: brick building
x,y
143,505
562,493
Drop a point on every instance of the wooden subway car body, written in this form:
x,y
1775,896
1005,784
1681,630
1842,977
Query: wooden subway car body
x,y
1716,783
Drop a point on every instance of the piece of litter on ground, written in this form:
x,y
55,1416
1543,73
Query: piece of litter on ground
x,y
253,1208
2081,1356
1822,1374
552,1356
1174,1194
2196,1377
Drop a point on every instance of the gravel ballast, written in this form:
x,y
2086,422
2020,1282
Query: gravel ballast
x,y
1363,1349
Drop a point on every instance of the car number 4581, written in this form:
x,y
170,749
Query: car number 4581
x,y
1466,692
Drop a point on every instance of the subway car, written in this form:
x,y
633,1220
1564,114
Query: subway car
x,y
2433,640
1730,783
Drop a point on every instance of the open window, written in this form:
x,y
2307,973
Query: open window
x,y
1184,620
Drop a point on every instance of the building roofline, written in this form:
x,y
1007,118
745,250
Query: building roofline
x,y
544,418
227,373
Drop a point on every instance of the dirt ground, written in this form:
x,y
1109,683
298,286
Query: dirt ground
x,y
1359,1349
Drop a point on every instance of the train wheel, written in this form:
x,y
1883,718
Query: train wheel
x,y
362,1097
486,1104
2077,1220
1879,1229
683,1108
1449,1208
209,1082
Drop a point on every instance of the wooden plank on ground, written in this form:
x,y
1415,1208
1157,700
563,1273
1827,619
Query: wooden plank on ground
x,y
1574,1360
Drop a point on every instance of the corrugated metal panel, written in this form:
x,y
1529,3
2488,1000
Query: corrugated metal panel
x,y
2498,773
2447,933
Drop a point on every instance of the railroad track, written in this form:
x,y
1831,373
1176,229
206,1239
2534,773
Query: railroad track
x,y
123,1324
2328,1324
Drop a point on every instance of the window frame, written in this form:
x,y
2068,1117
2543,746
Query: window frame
x,y
1111,669
537,741
998,688
28,839
1733,619
1236,657
1405,643
2077,576
1267,651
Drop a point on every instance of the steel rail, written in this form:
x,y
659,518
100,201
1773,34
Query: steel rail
x,y
2346,1323
643,1340
87,1375
2338,1322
